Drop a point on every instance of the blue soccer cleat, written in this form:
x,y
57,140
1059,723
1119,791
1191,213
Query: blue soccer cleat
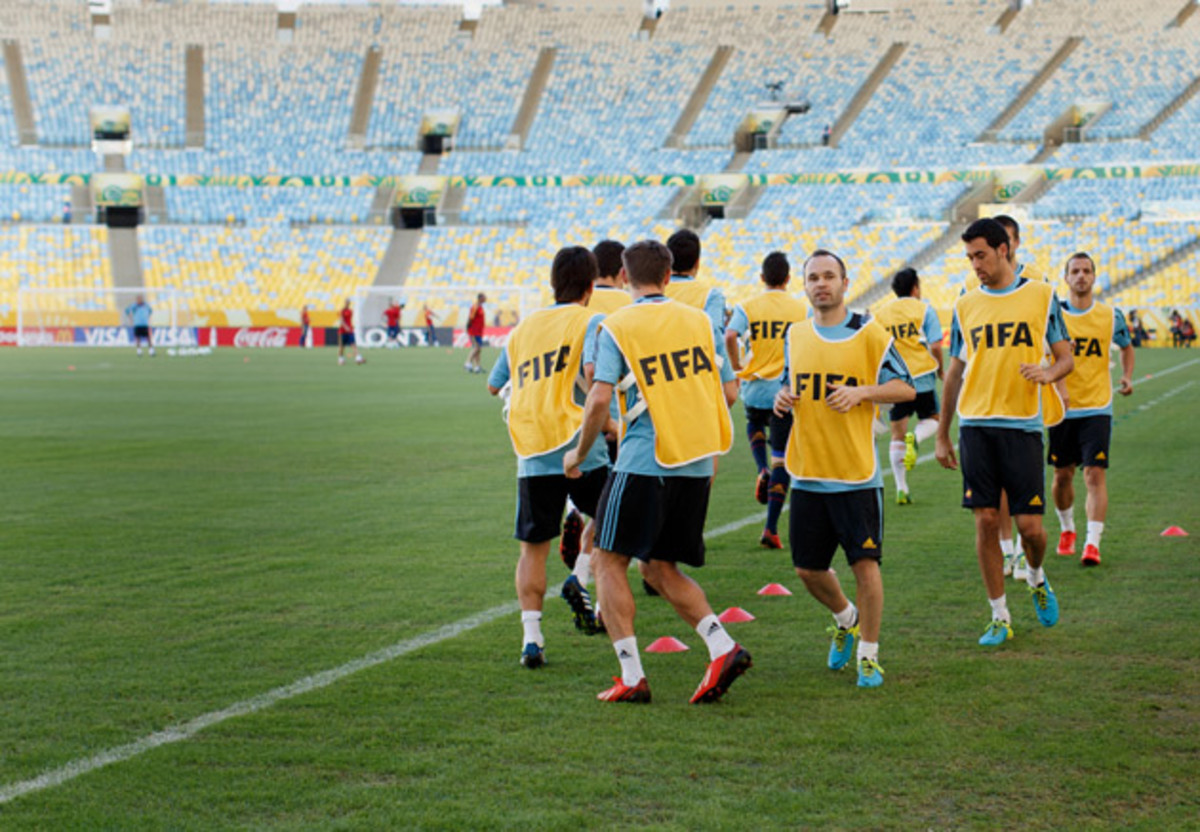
x,y
533,656
870,674
841,648
996,634
1045,604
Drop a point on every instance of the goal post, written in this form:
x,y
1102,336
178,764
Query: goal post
x,y
505,306
98,317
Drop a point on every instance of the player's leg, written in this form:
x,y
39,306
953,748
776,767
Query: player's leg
x,y
539,505
982,493
585,493
897,453
857,517
814,540
777,486
150,341
1062,491
757,421
1095,436
1025,483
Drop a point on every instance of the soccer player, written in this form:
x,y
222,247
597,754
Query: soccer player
x,y
761,323
544,360
677,389
839,365
609,294
305,324
138,314
475,324
684,287
998,339
430,331
391,315
1082,438
346,335
918,335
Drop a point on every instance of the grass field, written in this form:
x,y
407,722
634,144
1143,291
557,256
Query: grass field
x,y
183,539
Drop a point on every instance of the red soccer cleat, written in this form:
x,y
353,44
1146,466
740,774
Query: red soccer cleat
x,y
621,692
1091,556
770,540
721,673
761,485
1066,544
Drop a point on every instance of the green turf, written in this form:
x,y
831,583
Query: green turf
x,y
179,535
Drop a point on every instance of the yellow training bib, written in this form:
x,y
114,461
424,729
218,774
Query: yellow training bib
x,y
673,358
608,299
768,316
1089,385
544,355
824,445
1002,332
904,319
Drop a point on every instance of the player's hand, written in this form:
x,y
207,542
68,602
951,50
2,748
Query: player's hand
x,y
571,464
944,453
1126,387
1035,373
783,402
844,398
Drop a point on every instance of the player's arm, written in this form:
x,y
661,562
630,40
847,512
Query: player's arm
x,y
1127,357
892,384
1064,363
731,349
936,351
951,387
595,417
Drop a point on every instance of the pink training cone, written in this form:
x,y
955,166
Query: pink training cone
x,y
667,644
734,615
1173,531
774,589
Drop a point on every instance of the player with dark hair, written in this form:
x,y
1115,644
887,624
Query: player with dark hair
x,y
998,339
918,334
685,287
476,320
543,361
676,391
839,365
1083,436
760,323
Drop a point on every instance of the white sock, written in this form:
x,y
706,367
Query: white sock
x,y
139,350
868,650
1006,547
1094,531
715,636
531,620
925,429
1066,518
1036,577
1000,609
152,350
631,661
847,618
1018,545
896,454
583,568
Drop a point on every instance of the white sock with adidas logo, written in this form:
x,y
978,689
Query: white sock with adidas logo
x,y
531,620
1095,529
630,659
716,638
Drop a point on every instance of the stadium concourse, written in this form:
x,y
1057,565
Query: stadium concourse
x,y
277,149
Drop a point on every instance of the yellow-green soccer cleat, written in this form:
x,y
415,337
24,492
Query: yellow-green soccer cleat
x,y
910,450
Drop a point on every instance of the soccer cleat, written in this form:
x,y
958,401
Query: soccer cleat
x,y
841,648
359,360
1091,556
910,451
533,656
1066,544
770,540
1045,604
721,673
1020,567
581,605
568,544
621,692
902,498
870,674
1009,562
996,634
341,361
761,485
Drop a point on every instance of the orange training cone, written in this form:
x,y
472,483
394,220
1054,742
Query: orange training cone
x,y
1173,531
734,615
774,589
667,644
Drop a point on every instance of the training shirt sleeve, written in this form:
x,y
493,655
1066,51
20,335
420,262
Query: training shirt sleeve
x,y
958,347
932,327
727,373
738,322
500,372
1121,335
715,307
1056,327
589,340
610,364
893,366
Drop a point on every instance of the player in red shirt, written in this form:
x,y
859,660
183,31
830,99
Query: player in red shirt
x,y
430,332
475,321
304,326
346,335
392,316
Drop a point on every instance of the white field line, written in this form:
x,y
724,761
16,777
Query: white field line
x,y
187,730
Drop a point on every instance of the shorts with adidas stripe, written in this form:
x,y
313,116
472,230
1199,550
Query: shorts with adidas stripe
x,y
821,521
1083,440
1008,460
653,517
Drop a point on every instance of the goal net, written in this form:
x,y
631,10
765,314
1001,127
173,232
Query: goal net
x,y
100,317
504,307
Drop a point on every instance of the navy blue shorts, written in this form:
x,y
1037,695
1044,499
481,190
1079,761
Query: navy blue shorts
x,y
653,518
346,339
393,332
821,522
541,500
1081,441
1008,460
